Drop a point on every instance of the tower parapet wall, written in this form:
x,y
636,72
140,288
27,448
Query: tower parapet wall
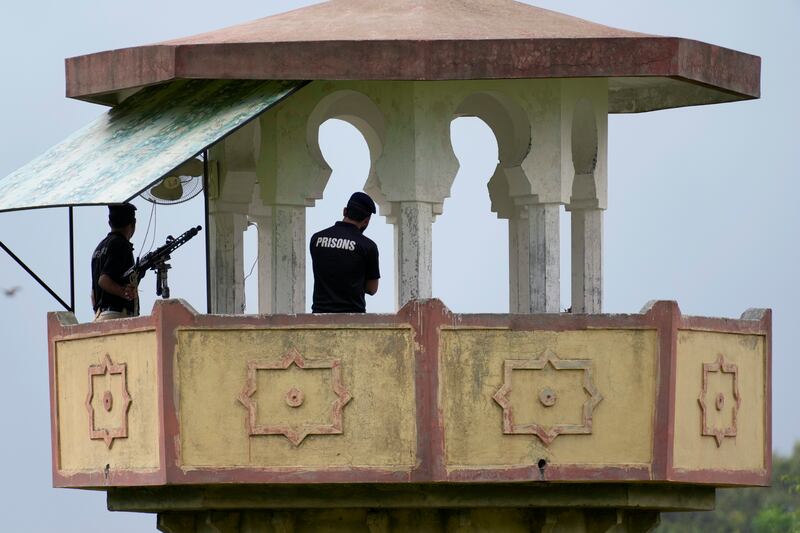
x,y
423,396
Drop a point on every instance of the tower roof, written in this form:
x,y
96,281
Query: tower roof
x,y
431,40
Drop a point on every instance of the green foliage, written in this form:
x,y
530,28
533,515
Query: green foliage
x,y
753,510
775,520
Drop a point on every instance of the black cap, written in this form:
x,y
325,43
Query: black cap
x,y
362,202
120,215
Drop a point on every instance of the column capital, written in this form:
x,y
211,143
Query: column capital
x,y
584,205
222,206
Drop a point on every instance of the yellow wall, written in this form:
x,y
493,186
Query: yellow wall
x,y
379,429
377,368
79,453
694,451
624,373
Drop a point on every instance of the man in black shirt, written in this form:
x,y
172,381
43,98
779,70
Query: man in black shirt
x,y
345,262
112,295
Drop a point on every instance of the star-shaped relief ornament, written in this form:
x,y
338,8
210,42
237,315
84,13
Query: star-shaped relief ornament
x,y
548,396
718,398
108,399
295,397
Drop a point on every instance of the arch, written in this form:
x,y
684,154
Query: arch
x,y
507,119
358,110
511,127
468,233
359,113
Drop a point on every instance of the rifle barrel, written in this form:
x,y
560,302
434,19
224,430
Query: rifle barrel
x,y
162,253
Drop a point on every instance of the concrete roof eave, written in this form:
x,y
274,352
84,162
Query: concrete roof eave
x,y
645,73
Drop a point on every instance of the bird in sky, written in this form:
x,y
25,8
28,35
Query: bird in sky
x,y
10,293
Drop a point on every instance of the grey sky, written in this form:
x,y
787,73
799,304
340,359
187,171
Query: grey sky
x,y
701,206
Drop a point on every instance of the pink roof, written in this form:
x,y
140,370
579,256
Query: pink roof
x,y
410,20
431,40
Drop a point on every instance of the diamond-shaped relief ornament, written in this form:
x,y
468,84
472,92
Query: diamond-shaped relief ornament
x,y
548,397
719,400
115,395
294,398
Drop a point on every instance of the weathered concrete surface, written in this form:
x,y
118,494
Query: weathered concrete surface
x,y
587,260
413,235
622,422
413,496
424,396
431,40
422,520
544,263
100,404
726,391
376,362
226,269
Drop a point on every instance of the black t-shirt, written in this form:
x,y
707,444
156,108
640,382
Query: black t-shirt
x,y
344,260
112,257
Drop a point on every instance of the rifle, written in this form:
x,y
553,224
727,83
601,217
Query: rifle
x,y
157,260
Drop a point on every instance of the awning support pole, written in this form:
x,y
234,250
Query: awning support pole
x,y
207,232
44,285
71,261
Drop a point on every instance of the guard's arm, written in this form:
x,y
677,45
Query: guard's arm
x,y
371,286
373,271
110,286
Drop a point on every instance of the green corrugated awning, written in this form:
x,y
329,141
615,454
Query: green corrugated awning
x,y
137,143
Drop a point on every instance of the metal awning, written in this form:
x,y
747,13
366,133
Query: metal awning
x,y
140,141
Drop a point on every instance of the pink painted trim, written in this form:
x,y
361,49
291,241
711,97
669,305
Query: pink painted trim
x,y
766,323
752,478
551,473
171,316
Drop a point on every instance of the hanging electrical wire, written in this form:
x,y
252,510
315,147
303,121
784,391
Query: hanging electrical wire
x,y
147,232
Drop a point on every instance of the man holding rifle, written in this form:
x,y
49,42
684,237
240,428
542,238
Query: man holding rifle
x,y
113,296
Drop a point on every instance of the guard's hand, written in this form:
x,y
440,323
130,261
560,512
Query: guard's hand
x,y
130,292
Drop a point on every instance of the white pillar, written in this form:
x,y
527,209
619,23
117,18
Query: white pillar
x,y
544,258
263,224
587,261
413,251
587,105
513,267
226,233
412,177
518,262
288,280
281,257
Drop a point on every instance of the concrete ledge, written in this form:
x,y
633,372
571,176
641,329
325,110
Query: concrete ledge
x,y
413,496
